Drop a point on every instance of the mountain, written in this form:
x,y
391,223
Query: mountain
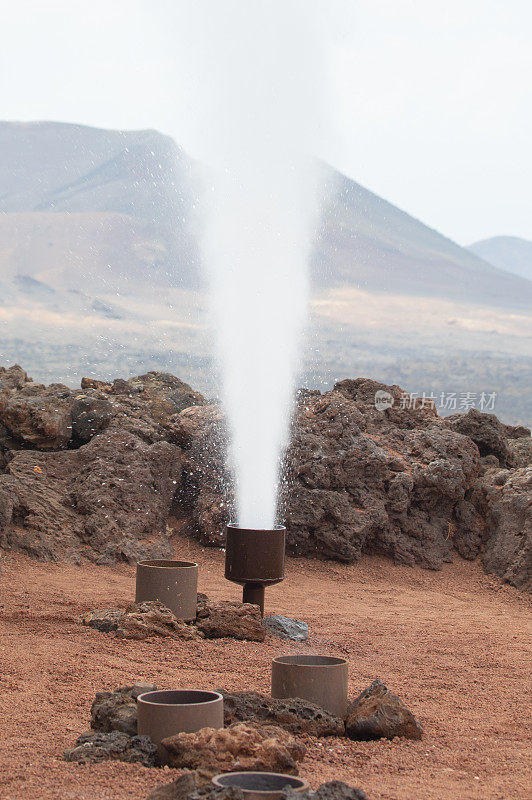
x,y
83,205
100,276
506,252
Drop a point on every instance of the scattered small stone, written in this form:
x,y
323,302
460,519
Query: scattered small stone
x,y
293,714
221,619
377,713
241,746
117,711
96,746
286,628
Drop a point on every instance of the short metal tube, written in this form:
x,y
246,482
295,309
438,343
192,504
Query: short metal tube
x,y
320,679
173,583
260,785
164,713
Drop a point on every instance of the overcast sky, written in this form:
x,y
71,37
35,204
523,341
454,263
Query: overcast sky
x,y
427,103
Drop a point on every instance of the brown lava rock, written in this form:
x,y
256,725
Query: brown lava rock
x,y
377,713
505,496
220,619
293,715
95,747
152,618
117,711
108,501
240,747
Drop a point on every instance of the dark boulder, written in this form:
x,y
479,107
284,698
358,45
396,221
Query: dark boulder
x,y
377,713
220,619
95,747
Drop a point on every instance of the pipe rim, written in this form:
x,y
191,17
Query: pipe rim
x,y
165,563
225,779
234,526
310,661
149,698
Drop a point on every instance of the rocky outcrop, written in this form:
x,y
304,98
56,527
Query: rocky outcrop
x,y
240,747
229,619
93,474
378,714
505,500
95,747
299,717
107,501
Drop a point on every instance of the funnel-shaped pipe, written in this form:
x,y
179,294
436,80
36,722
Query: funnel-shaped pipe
x,y
254,558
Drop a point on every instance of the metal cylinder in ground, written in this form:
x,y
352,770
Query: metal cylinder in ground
x,y
320,679
260,785
172,583
164,713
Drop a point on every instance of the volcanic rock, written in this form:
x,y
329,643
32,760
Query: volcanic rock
x,y
90,416
152,618
486,431
240,747
105,620
334,790
377,713
294,715
286,628
95,747
505,498
220,619
38,416
117,711
107,501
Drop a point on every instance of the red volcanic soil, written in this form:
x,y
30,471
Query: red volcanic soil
x,y
454,645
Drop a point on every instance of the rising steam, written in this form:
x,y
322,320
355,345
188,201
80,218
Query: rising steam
x,y
259,94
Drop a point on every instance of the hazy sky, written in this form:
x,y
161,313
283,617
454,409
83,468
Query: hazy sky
x,y
425,102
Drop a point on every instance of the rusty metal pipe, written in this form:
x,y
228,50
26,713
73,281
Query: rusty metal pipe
x,y
320,679
164,713
173,583
260,785
254,558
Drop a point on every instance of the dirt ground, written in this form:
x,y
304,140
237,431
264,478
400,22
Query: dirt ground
x,y
454,645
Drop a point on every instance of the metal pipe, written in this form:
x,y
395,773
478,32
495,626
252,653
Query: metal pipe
x,y
254,558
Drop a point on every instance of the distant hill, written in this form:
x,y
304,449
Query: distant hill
x,y
506,252
84,205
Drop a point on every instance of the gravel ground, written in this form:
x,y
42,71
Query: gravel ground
x,y
455,645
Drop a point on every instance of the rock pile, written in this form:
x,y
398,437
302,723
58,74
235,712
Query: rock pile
x,y
94,474
219,619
